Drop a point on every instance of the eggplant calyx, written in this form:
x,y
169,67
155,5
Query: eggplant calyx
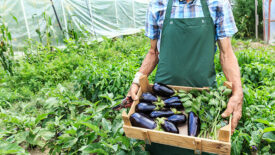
x,y
161,120
158,128
175,111
160,104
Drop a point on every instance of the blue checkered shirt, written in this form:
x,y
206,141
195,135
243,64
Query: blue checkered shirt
x,y
220,11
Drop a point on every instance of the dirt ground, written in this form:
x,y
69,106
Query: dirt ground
x,y
38,152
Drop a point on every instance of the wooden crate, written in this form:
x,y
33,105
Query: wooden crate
x,y
199,145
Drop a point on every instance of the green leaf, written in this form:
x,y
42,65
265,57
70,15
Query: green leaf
x,y
187,104
269,137
93,148
11,148
91,126
266,122
269,129
106,124
21,136
40,117
45,134
14,18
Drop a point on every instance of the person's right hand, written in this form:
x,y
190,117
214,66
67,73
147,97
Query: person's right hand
x,y
133,91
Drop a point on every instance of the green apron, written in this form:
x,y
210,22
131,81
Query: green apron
x,y
187,50
186,58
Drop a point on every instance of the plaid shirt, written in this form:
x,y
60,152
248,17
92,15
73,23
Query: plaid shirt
x,y
220,11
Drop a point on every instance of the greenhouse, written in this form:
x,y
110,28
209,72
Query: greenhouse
x,y
137,77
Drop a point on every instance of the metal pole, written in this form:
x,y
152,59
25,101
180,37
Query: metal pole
x,y
269,16
56,16
256,18
263,5
25,18
91,17
134,16
65,19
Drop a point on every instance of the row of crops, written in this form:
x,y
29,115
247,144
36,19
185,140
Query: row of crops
x,y
61,99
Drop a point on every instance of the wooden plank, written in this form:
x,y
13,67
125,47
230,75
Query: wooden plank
x,y
146,137
133,107
211,146
228,84
126,119
187,88
225,133
144,84
198,146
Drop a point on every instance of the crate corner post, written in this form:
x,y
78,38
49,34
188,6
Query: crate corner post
x,y
144,84
228,84
126,119
225,133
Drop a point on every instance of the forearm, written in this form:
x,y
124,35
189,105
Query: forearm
x,y
230,66
151,59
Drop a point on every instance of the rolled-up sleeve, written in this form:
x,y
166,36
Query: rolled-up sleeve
x,y
225,23
151,26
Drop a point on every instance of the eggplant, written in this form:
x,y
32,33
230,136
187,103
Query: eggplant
x,y
172,100
177,119
148,97
169,127
141,120
163,90
145,107
162,113
193,124
177,105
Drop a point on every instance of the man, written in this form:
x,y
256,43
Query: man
x,y
183,34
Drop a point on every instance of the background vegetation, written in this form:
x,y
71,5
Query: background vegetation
x,y
244,14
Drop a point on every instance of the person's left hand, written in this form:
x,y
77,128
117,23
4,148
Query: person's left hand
x,y
234,106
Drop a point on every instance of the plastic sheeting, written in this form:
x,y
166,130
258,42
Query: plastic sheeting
x,y
108,18
266,20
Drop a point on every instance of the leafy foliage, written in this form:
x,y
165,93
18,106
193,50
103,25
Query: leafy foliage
x,y
244,13
6,50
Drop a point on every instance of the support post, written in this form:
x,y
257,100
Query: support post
x,y
25,18
256,18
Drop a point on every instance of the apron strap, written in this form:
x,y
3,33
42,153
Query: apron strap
x,y
205,8
167,14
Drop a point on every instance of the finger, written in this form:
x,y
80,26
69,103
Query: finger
x,y
234,121
129,93
134,93
228,111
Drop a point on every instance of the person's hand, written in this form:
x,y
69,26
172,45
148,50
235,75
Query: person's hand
x,y
234,106
133,91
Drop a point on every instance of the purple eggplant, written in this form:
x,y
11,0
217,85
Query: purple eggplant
x,y
193,124
141,120
163,90
177,119
166,125
173,102
148,97
177,105
145,107
162,113
170,127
